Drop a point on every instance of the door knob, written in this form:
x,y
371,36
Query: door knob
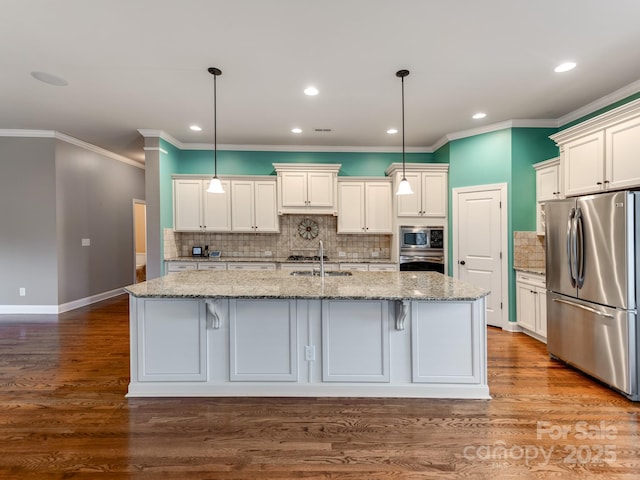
x,y
462,262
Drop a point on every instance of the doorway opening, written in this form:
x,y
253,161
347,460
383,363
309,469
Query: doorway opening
x,y
140,240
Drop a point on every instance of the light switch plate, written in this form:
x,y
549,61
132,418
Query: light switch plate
x,y
86,242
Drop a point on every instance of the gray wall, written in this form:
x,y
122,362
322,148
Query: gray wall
x,y
94,200
27,221
52,195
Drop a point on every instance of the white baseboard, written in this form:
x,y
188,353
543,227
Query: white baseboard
x,y
55,309
512,327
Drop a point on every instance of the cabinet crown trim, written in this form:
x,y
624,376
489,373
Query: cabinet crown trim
x,y
417,167
307,167
364,179
608,119
552,162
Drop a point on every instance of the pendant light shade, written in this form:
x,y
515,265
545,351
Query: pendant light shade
x,y
215,186
404,187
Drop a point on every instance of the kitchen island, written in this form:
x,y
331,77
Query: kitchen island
x,y
270,333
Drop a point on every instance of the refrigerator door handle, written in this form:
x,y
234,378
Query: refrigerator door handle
x,y
570,248
584,307
579,248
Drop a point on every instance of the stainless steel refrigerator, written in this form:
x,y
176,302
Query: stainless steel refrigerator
x,y
593,260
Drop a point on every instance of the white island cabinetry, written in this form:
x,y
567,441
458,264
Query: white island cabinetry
x,y
268,334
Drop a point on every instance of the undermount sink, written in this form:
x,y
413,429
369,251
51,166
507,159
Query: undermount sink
x,y
309,273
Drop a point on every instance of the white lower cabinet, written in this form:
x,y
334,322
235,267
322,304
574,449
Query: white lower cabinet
x,y
307,347
171,340
531,304
355,341
445,343
178,266
251,266
263,341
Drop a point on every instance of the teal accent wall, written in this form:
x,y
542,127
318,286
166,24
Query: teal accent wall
x,y
241,162
503,156
528,146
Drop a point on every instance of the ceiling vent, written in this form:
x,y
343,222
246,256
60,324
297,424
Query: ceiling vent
x,y
322,130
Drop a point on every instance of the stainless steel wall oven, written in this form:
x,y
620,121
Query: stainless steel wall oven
x,y
421,248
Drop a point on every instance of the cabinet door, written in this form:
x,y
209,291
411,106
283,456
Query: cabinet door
x,y
263,341
378,207
410,205
187,204
266,207
547,183
351,207
355,341
541,312
320,189
434,194
217,208
526,306
294,189
622,167
446,351
583,161
242,216
172,343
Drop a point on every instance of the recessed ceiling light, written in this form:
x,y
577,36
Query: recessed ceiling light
x,y
195,128
392,130
311,91
50,79
296,130
565,67
479,115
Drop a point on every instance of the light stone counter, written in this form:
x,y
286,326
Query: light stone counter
x,y
426,286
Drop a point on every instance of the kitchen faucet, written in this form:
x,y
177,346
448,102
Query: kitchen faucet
x,y
321,255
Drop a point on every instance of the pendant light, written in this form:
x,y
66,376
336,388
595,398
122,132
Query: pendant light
x,y
215,186
404,188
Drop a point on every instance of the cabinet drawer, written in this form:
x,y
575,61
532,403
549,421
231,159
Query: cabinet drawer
x,y
211,266
383,267
251,266
534,279
174,267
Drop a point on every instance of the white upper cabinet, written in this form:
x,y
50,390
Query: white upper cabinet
x,y
429,183
307,188
622,162
548,187
364,206
548,180
254,206
601,153
197,210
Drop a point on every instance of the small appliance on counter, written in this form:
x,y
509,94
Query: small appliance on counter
x,y
196,251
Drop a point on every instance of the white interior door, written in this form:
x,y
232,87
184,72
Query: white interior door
x,y
478,242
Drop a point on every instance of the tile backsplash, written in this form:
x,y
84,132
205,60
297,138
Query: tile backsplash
x,y
528,250
287,242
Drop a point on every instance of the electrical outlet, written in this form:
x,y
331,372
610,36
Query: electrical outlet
x,y
268,253
23,292
342,254
309,353
375,254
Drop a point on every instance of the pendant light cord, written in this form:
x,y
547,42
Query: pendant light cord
x,y
404,176
215,130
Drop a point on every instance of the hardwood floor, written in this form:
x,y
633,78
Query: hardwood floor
x,y
63,415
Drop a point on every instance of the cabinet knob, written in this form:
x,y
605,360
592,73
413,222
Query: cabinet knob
x,y
606,181
598,183
462,262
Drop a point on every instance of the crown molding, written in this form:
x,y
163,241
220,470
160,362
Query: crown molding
x,y
602,102
68,139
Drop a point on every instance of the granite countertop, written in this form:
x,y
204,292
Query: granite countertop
x,y
280,284
538,271
276,260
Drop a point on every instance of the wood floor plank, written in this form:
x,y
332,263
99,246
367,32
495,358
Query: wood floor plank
x,y
63,414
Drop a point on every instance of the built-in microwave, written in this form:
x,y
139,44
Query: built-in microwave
x,y
421,238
